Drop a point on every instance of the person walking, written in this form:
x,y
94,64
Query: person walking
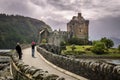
x,y
33,48
19,51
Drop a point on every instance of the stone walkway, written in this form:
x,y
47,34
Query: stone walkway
x,y
40,63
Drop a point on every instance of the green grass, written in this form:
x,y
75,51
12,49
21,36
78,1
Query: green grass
x,y
78,48
82,50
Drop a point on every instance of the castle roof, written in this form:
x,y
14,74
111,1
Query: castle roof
x,y
77,19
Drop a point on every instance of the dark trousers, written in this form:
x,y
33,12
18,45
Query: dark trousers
x,y
20,55
33,51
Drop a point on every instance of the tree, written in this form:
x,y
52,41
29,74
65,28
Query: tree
x,y
96,41
119,48
63,45
98,48
108,42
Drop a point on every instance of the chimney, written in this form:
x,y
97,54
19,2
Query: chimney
x,y
79,14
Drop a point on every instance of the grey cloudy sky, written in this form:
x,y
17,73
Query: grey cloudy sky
x,y
104,15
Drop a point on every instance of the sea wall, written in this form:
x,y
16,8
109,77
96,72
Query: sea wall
x,y
93,70
5,68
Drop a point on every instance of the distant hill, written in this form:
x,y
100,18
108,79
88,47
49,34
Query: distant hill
x,y
21,29
116,41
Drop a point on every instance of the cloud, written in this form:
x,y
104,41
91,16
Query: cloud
x,y
15,7
91,9
41,3
57,13
61,4
105,27
101,8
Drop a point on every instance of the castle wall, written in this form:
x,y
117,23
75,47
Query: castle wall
x,y
56,37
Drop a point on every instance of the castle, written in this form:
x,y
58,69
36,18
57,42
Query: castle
x,y
77,27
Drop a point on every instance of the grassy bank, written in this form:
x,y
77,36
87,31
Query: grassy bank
x,y
86,51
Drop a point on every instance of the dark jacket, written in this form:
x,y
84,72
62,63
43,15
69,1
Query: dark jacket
x,y
33,46
18,49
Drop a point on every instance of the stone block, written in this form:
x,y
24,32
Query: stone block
x,y
50,77
24,68
35,71
32,70
116,69
61,78
38,76
20,64
27,71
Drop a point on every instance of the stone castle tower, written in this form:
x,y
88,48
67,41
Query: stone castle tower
x,y
78,27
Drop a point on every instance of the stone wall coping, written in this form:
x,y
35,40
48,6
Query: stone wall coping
x,y
61,69
97,70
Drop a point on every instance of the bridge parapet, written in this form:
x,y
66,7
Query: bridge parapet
x,y
51,48
21,71
93,70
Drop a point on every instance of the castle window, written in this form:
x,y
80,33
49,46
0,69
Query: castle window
x,y
73,24
80,29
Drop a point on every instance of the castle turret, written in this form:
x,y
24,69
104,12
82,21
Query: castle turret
x,y
79,14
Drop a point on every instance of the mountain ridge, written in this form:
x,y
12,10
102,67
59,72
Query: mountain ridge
x,y
17,28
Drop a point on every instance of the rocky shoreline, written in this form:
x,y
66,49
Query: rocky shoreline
x,y
5,68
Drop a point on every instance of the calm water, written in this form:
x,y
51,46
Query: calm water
x,y
113,61
5,50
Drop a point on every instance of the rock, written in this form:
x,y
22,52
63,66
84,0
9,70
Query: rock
x,y
9,77
51,77
37,75
2,78
61,78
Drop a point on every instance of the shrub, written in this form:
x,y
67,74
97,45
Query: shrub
x,y
108,42
76,41
63,45
119,48
98,48
73,47
44,41
88,49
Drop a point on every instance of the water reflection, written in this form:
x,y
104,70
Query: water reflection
x,y
113,61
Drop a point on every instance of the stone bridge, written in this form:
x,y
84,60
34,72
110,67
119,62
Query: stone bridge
x,y
38,68
44,67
